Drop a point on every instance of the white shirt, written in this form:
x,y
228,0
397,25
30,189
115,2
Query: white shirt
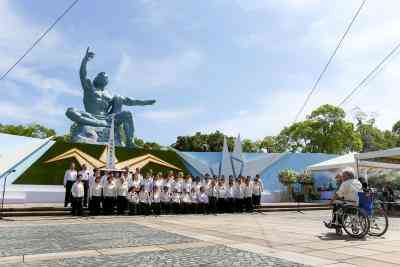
x,y
109,189
122,189
212,191
144,197
157,197
203,198
85,174
230,191
238,191
159,183
133,197
70,175
96,189
77,189
165,197
187,186
176,198
179,185
147,184
221,191
194,197
247,191
186,198
135,184
258,188
349,190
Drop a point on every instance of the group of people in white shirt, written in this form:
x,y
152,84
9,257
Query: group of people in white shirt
x,y
124,191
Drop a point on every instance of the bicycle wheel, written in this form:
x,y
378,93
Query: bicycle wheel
x,y
379,221
355,222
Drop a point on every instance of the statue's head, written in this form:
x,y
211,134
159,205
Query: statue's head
x,y
100,81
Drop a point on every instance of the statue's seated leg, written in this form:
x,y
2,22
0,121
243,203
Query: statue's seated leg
x,y
125,118
84,118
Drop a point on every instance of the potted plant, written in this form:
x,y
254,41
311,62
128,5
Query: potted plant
x,y
288,177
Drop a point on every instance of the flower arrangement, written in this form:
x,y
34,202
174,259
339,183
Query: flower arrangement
x,y
287,177
305,178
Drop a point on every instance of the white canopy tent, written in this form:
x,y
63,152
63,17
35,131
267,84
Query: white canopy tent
x,y
349,160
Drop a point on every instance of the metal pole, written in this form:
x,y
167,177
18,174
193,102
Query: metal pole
x,y
4,191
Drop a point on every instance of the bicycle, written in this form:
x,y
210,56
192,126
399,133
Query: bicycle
x,y
379,222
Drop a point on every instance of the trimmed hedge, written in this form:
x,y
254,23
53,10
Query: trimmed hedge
x,y
41,173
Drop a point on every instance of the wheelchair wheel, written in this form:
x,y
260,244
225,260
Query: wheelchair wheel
x,y
355,222
379,222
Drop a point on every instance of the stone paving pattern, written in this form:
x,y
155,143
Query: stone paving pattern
x,y
261,239
23,240
208,256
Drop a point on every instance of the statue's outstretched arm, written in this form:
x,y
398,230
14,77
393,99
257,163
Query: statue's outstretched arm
x,y
86,83
134,102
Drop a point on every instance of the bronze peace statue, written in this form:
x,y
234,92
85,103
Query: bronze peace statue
x,y
92,125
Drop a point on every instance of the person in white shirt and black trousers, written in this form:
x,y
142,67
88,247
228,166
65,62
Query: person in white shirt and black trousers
x,y
85,173
122,195
212,197
109,194
95,194
248,194
77,192
69,180
258,188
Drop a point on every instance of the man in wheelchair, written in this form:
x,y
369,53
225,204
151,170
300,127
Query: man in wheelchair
x,y
347,194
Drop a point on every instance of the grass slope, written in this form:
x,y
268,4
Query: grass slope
x,y
41,173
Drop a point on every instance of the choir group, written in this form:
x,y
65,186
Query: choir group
x,y
107,192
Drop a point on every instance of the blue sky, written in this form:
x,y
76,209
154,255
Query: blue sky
x,y
237,66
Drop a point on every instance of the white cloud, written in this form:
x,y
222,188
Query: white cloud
x,y
169,71
16,35
42,109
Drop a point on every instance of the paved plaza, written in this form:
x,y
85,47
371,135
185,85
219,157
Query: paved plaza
x,y
259,239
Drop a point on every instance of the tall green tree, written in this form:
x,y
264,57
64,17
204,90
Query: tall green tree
x,y
325,130
31,130
373,138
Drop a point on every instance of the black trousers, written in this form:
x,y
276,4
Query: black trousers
x,y
212,204
77,206
239,204
176,208
94,205
156,208
68,197
133,208
144,208
256,200
248,204
122,203
202,208
86,192
230,205
108,205
221,205
166,207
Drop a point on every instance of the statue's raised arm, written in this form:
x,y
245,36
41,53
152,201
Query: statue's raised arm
x,y
127,101
86,83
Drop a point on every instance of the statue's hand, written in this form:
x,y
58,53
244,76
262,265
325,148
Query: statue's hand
x,y
89,55
150,102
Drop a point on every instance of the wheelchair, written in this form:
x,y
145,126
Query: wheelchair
x,y
354,220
